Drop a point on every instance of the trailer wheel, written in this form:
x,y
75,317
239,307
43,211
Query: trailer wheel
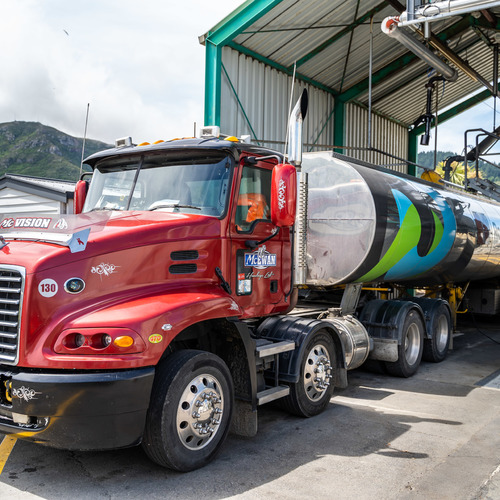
x,y
411,347
190,410
436,348
312,393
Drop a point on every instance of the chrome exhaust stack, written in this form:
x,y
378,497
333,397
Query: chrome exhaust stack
x,y
294,150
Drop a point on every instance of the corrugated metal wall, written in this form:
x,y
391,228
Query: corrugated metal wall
x,y
14,201
386,135
255,101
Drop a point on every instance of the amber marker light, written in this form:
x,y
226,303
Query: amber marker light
x,y
123,341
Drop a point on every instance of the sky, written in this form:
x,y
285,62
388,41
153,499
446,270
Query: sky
x,y
138,64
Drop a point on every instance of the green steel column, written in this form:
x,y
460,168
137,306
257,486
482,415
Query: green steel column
x,y
221,35
213,77
412,151
338,124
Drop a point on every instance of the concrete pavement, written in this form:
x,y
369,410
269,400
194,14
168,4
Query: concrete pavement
x,y
433,436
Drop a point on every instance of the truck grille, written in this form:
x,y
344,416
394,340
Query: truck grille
x,y
11,299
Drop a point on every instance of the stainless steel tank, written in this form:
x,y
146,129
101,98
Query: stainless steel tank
x,y
368,224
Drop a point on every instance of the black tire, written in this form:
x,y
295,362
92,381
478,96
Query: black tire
x,y
436,348
190,410
411,347
312,393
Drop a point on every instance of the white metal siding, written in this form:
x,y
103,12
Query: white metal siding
x,y
264,95
387,136
14,201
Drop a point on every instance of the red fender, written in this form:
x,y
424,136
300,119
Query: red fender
x,y
157,319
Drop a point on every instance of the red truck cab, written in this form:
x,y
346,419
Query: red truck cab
x,y
172,257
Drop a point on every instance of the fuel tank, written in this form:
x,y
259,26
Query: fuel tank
x,y
369,224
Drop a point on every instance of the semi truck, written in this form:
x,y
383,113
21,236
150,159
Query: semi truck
x,y
202,278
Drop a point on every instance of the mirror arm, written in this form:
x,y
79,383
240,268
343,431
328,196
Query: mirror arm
x,y
252,244
252,160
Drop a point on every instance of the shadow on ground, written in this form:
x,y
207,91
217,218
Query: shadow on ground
x,y
283,444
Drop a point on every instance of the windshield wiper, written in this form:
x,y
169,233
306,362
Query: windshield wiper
x,y
173,205
106,208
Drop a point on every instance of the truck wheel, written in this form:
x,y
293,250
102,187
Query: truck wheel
x,y
312,393
190,410
411,348
436,348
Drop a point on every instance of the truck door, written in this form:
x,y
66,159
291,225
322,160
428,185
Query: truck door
x,y
256,272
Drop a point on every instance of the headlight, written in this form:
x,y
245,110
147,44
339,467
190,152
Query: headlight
x,y
99,341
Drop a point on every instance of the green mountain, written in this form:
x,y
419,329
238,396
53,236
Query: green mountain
x,y
30,148
426,158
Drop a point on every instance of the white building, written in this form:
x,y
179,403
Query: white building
x,y
25,194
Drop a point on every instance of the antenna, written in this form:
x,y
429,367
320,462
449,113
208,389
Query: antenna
x,y
84,138
290,108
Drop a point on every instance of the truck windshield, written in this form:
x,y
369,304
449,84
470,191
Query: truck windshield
x,y
188,185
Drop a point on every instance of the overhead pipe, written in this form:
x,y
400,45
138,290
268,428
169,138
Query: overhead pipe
x,y
390,28
439,10
459,62
410,9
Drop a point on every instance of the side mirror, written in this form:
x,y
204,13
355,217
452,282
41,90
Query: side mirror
x,y
283,195
81,189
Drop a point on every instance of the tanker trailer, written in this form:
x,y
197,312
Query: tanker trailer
x,y
368,224
364,229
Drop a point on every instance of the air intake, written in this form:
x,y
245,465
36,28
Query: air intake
x,y
182,268
184,255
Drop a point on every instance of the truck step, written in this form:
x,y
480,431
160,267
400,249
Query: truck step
x,y
273,348
272,393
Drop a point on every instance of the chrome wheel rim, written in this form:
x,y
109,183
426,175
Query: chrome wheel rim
x,y
200,412
441,333
412,344
317,372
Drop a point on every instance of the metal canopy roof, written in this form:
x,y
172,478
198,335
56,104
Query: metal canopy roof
x,y
49,188
329,42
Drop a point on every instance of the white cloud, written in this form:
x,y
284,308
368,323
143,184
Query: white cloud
x,y
139,65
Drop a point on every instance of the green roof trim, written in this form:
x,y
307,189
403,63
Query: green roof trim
x,y
240,19
223,33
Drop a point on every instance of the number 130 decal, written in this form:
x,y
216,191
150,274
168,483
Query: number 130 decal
x,y
47,288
